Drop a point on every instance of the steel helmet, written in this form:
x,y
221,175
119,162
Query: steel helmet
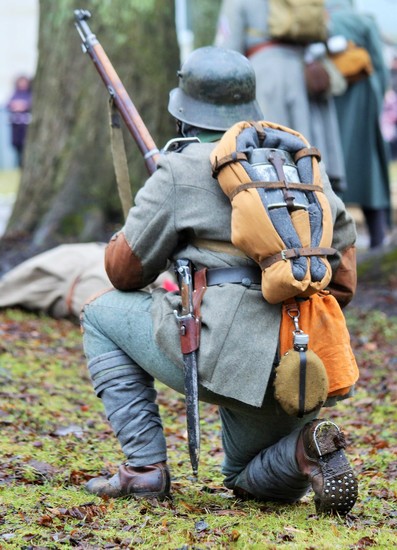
x,y
216,89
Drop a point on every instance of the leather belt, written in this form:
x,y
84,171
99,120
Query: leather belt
x,y
246,276
267,44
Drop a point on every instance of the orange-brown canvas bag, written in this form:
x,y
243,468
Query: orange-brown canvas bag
x,y
287,271
322,317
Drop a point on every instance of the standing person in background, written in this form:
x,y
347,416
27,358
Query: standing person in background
x,y
359,110
19,107
293,87
323,82
279,66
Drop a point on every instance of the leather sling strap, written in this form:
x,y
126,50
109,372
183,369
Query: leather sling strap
x,y
200,286
302,383
291,253
258,47
119,158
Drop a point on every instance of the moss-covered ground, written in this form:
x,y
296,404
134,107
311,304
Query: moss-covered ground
x,y
54,437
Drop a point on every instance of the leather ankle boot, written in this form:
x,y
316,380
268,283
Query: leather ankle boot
x,y
137,481
320,455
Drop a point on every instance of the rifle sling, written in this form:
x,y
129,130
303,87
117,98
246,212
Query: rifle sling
x,y
119,158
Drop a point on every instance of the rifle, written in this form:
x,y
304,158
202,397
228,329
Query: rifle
x,y
117,91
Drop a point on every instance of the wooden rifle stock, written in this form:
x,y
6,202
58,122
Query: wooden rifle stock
x,y
117,91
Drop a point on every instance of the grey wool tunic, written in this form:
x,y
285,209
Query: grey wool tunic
x,y
180,203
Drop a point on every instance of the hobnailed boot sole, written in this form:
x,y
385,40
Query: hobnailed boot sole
x,y
340,488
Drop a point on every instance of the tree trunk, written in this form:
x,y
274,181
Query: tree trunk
x,y
68,191
205,17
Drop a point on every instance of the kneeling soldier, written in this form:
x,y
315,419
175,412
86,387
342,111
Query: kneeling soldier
x,y
132,337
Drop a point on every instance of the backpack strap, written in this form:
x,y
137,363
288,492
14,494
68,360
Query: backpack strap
x,y
307,152
275,185
218,164
291,253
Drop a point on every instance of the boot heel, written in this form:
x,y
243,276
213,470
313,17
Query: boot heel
x,y
340,488
327,438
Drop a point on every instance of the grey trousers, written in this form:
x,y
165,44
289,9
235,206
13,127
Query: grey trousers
x,y
124,360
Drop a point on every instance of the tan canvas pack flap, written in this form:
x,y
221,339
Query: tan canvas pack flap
x,y
301,21
289,240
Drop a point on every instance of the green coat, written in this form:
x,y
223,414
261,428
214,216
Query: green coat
x,y
279,68
359,109
181,202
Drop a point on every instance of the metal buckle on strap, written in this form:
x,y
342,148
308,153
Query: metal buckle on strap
x,y
295,206
245,276
283,255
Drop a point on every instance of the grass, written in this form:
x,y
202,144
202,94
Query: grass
x,y
55,437
9,182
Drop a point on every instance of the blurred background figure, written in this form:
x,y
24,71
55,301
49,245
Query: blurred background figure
x,y
359,110
278,65
389,113
19,107
295,80
389,121
323,82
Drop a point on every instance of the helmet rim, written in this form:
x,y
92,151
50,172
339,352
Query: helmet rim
x,y
215,117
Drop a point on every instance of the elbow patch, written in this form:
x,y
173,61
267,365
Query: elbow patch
x,y
344,280
123,267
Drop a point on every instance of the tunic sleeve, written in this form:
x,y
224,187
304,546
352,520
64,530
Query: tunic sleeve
x,y
141,249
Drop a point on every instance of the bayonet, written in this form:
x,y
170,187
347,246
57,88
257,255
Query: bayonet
x,y
189,326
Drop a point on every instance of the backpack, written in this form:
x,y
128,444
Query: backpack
x,y
301,21
281,217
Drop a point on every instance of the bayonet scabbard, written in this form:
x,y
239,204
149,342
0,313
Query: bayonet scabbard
x,y
189,326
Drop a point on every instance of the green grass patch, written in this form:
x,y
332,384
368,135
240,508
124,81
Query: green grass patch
x,y
54,437
9,181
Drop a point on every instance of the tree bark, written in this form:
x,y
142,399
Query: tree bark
x,y
68,191
205,17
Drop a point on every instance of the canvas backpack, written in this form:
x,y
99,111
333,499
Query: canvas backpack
x,y
301,21
281,217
